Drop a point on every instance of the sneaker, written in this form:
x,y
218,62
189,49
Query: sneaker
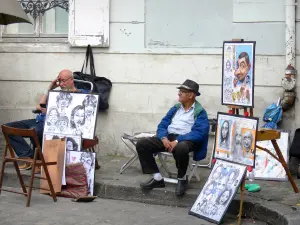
x,y
25,166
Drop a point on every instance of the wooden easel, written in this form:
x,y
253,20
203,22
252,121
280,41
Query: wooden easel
x,y
266,135
272,135
262,135
235,110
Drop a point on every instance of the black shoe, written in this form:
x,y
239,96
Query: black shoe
x,y
181,187
150,184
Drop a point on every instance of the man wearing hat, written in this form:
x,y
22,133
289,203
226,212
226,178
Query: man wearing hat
x,y
184,129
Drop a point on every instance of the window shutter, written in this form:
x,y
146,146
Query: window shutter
x,y
89,23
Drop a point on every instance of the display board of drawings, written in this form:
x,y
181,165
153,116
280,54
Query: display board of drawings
x,y
238,68
73,116
234,150
266,166
218,191
236,138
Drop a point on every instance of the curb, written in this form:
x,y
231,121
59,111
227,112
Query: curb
x,y
268,211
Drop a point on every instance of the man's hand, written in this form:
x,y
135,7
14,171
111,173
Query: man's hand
x,y
54,84
167,144
173,145
43,110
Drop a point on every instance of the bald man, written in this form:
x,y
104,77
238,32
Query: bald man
x,y
65,81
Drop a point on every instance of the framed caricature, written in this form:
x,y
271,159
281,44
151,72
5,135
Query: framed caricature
x,y
236,138
88,161
238,66
218,191
71,114
266,166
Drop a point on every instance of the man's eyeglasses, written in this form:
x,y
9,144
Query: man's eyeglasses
x,y
64,81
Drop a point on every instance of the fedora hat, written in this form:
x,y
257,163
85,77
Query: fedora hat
x,y
190,86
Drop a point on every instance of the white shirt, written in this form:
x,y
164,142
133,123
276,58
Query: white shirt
x,y
182,121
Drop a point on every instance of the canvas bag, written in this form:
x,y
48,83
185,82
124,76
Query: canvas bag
x,y
102,85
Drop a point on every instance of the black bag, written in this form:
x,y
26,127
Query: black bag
x,y
102,85
295,147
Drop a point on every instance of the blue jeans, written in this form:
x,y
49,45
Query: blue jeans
x,y
20,146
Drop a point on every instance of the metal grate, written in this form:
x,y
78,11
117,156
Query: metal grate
x,y
38,7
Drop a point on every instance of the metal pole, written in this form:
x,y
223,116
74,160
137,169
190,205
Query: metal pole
x,y
290,32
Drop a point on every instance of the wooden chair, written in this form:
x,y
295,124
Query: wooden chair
x,y
31,133
89,145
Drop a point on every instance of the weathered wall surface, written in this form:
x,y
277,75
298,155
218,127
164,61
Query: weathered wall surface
x,y
154,46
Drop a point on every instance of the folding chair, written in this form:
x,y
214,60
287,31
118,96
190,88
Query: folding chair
x,y
193,165
30,133
126,138
191,170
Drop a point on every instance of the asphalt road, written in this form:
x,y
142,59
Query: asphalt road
x,y
43,211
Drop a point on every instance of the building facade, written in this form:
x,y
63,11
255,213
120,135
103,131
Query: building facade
x,y
146,48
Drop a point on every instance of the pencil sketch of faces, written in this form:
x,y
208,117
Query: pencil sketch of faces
x,y
237,148
209,188
217,194
72,114
90,104
63,100
225,134
247,141
77,120
217,174
87,159
224,197
221,185
62,124
71,144
228,65
52,119
214,210
233,175
201,206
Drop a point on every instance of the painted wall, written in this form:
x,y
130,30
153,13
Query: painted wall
x,y
154,46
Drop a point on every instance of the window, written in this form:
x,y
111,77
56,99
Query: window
x,y
83,22
49,19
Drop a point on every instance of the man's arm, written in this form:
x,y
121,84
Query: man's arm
x,y
199,130
162,129
43,100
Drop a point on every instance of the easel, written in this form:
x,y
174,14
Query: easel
x,y
266,135
235,110
262,135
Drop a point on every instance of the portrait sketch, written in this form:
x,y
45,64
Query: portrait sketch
x,y
237,142
219,190
224,138
71,114
238,73
266,166
88,161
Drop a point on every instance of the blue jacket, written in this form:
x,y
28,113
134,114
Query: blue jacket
x,y
199,131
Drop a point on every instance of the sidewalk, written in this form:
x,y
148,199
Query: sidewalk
x,y
276,203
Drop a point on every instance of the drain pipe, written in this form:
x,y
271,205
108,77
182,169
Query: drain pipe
x,y
290,32
289,81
